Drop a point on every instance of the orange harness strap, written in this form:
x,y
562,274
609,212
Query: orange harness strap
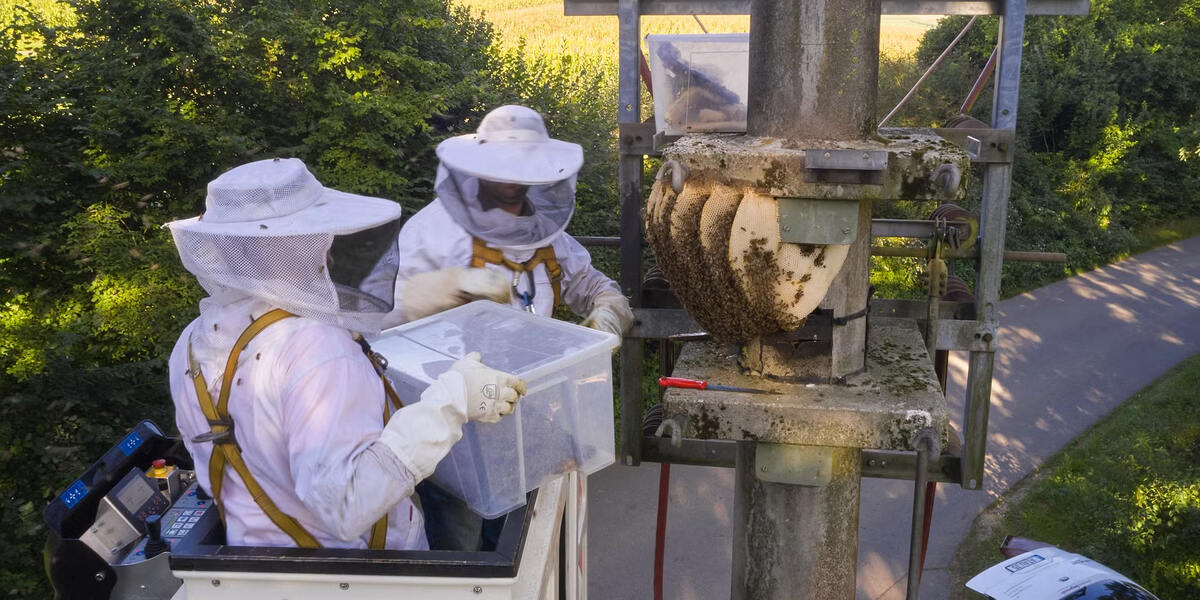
x,y
482,254
225,447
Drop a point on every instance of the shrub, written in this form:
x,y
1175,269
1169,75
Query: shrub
x,y
113,121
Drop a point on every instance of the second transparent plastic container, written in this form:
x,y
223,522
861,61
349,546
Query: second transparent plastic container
x,y
564,422
700,82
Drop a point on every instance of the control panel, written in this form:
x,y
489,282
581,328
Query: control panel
x,y
121,516
190,513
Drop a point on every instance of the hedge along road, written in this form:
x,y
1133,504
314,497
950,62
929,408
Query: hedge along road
x,y
1070,352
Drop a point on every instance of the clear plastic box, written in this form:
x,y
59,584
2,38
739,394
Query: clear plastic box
x,y
564,422
700,82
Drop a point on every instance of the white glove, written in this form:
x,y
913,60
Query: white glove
x,y
611,313
421,434
491,394
432,292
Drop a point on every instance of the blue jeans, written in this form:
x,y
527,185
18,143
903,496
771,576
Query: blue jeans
x,y
451,525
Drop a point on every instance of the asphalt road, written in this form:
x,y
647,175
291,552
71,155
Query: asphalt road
x,y
1070,353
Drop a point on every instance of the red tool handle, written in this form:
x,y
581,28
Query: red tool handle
x,y
679,382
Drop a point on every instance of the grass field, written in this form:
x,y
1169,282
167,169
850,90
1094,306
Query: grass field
x,y
1126,493
543,27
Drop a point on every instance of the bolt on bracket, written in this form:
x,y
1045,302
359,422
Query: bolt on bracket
x,y
817,221
794,465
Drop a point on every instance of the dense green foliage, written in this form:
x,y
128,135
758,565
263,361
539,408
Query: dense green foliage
x,y
1108,125
111,124
1126,494
115,115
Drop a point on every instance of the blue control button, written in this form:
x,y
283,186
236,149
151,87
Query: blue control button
x,y
74,494
130,443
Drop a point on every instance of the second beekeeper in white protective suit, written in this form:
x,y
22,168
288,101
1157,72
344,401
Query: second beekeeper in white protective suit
x,y
292,426
505,195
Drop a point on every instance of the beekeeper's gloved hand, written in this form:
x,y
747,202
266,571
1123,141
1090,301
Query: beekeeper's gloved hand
x,y
491,394
421,434
429,293
611,313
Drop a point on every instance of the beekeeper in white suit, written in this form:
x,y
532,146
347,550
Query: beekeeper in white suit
x,y
505,195
278,399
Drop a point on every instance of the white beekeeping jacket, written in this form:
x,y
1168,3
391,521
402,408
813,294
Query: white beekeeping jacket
x,y
315,406
432,240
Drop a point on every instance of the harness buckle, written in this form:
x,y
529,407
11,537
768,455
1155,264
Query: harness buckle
x,y
216,437
379,361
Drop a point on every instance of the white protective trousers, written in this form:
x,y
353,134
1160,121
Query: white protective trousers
x,y
308,412
431,240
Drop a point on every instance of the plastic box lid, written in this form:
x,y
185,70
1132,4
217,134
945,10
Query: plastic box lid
x,y
564,422
700,82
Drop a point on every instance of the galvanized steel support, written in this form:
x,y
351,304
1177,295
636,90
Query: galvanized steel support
x,y
997,183
629,177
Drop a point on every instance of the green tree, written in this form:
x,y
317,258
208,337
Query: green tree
x,y
111,124
1107,124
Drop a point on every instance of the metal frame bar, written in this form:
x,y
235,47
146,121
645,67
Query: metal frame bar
x,y
594,8
997,183
629,177
879,464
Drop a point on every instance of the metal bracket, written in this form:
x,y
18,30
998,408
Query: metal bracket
x,y
812,221
661,140
975,336
840,165
636,138
793,465
662,323
982,145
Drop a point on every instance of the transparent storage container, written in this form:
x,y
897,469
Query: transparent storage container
x,y
564,422
700,82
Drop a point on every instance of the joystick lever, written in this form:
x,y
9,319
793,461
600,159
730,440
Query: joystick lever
x,y
156,544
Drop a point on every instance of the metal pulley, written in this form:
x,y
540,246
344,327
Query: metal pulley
x,y
962,227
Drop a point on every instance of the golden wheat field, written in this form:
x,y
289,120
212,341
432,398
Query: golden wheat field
x,y
544,28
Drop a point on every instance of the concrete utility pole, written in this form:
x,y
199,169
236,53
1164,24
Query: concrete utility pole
x,y
814,67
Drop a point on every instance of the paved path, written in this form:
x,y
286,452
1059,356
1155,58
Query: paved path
x,y
1070,353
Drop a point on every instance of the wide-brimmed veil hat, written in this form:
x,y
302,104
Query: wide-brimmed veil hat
x,y
271,230
511,146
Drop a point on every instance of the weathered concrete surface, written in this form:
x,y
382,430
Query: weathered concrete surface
x,y
795,542
1070,352
776,166
881,408
814,65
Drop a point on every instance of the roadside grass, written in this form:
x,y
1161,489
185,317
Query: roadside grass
x,y
1149,238
1126,494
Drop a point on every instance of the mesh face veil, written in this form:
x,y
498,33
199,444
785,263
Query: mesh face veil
x,y
546,211
510,147
271,231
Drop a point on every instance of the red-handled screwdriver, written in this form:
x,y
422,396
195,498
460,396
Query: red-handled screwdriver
x,y
695,384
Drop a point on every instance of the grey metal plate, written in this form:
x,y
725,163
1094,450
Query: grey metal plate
x,y
982,145
811,221
794,465
585,8
845,159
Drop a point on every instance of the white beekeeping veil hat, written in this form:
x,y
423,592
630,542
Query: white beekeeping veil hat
x,y
511,146
270,230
